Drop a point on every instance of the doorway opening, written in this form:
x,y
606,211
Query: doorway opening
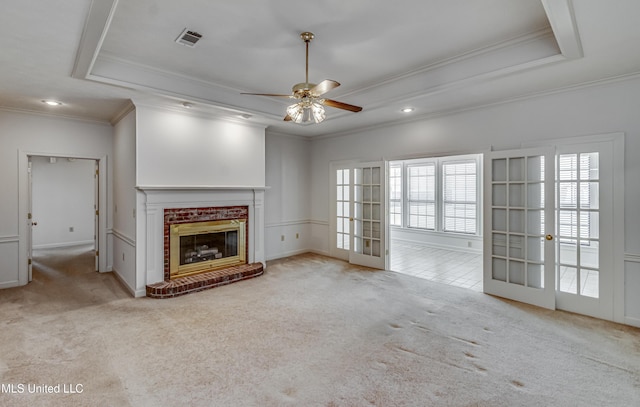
x,y
63,208
435,207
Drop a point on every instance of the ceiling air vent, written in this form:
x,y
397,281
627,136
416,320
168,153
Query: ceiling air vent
x,y
188,38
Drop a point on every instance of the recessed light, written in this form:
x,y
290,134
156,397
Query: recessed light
x,y
407,110
51,102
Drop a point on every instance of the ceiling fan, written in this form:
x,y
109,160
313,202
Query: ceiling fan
x,y
310,106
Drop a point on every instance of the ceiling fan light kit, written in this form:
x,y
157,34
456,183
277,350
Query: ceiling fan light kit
x,y
309,107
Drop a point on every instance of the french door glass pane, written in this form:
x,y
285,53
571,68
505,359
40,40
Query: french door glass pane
x,y
578,201
342,209
517,220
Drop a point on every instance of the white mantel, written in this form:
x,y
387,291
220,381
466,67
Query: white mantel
x,y
151,202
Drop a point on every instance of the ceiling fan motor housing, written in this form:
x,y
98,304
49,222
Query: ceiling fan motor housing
x,y
300,89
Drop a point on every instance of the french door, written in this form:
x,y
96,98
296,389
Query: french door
x,y
549,227
584,247
359,228
519,226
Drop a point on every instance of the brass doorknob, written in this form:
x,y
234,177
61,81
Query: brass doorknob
x,y
549,237
350,219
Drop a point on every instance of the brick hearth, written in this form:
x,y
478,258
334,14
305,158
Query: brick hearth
x,y
203,281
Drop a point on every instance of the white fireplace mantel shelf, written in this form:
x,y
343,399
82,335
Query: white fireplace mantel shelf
x,y
200,187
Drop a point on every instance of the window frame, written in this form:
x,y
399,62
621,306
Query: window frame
x,y
438,162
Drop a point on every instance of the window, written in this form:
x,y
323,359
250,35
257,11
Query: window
x,y
435,194
395,195
421,196
460,196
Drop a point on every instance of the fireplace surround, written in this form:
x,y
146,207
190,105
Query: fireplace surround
x,y
166,206
184,226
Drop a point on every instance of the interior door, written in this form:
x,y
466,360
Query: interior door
x,y
584,243
367,239
519,226
359,226
30,220
96,218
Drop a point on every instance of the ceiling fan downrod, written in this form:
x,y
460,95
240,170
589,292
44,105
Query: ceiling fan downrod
x,y
306,37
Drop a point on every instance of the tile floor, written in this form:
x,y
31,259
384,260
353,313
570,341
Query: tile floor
x,y
440,265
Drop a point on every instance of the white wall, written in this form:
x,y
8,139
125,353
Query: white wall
x,y
22,134
177,149
124,199
287,201
63,195
192,160
600,109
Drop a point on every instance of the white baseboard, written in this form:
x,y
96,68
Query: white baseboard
x,y
441,246
122,281
287,254
632,321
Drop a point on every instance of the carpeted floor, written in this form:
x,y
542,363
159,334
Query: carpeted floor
x,y
312,331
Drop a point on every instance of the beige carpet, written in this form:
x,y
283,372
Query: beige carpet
x,y
312,331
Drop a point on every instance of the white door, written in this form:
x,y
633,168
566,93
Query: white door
x,y
359,213
96,200
584,244
519,226
30,222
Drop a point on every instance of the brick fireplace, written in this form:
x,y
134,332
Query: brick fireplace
x,y
201,220
198,222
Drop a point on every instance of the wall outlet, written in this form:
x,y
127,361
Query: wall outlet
x,y
70,228
282,238
297,236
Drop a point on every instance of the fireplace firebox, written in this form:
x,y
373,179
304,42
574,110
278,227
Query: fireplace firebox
x,y
204,246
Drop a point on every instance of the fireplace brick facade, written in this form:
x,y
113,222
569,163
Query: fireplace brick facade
x,y
173,216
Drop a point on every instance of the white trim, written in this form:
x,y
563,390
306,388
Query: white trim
x,y
67,244
9,239
480,106
439,246
200,187
287,223
287,254
123,238
561,17
23,207
632,257
95,30
134,293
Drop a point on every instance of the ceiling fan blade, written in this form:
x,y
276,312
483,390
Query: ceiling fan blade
x,y
323,87
340,105
267,94
287,118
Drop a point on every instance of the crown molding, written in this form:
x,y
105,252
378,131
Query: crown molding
x,y
450,112
562,19
54,115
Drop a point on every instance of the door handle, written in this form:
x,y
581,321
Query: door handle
x,y
34,223
548,237
350,219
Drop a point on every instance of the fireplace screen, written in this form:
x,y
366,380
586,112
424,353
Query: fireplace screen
x,y
208,246
204,246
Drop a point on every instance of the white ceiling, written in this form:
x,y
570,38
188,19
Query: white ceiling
x,y
433,55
